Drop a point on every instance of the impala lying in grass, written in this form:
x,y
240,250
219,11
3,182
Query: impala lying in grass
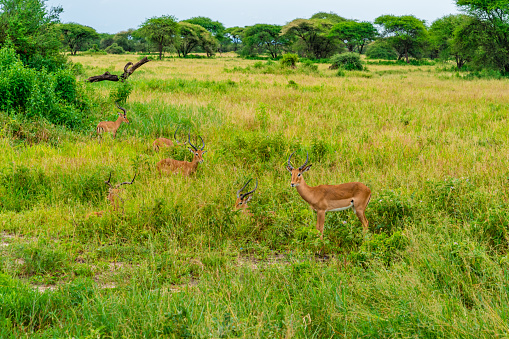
x,y
330,198
244,198
164,142
185,167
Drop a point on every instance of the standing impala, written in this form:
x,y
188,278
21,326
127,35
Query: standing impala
x,y
330,198
112,126
114,191
185,167
244,198
164,142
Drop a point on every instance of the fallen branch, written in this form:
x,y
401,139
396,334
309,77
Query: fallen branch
x,y
127,72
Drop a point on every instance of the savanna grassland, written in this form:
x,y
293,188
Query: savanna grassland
x,y
180,262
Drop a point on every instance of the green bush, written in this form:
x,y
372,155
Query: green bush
x,y
381,50
114,49
55,96
348,61
290,60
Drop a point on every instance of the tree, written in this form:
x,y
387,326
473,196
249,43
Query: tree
x,y
487,34
192,36
161,31
331,17
30,28
445,42
313,34
214,27
265,38
76,36
234,35
406,34
354,34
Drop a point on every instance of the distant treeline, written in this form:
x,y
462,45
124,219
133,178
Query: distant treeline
x,y
478,38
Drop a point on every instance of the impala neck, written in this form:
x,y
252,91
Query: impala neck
x,y
118,122
304,190
194,162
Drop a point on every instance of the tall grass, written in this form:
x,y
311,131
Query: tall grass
x,y
180,262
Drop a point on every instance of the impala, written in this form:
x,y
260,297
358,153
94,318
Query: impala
x,y
112,126
244,198
185,167
114,192
164,142
330,198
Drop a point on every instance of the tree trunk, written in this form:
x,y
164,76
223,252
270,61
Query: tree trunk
x,y
160,51
406,56
127,72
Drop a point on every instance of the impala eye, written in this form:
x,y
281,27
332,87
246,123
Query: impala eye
x,y
240,203
196,154
298,175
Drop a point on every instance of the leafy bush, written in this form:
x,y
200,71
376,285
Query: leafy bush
x,y
348,61
381,50
122,92
114,49
290,60
55,96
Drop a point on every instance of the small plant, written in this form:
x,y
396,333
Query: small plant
x,y
381,50
348,61
290,60
114,49
122,92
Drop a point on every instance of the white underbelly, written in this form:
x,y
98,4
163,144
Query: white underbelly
x,y
341,208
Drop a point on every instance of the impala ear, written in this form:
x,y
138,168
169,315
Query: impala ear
x,y
306,168
191,150
289,169
249,199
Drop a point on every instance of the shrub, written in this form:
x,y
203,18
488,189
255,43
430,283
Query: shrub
x,y
290,60
114,49
122,92
348,61
381,50
39,93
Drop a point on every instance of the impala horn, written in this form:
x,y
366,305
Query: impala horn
x,y
307,158
123,109
290,167
189,141
242,196
108,182
127,182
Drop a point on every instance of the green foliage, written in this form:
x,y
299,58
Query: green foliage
x,y
406,34
290,60
381,49
121,92
445,39
354,34
192,36
29,27
161,31
114,48
348,61
56,97
381,247
262,38
76,36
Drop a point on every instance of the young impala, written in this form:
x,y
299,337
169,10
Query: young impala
x,y
114,192
164,142
244,198
185,167
329,198
112,126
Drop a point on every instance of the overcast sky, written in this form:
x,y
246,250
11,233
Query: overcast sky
x,y
112,16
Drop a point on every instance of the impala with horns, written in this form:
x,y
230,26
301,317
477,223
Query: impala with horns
x,y
330,198
112,126
114,192
164,142
185,167
244,198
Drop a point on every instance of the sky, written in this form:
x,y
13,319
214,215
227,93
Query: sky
x,y
112,16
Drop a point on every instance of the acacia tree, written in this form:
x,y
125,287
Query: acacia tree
x,y
407,34
234,35
354,34
265,38
192,36
486,36
161,31
76,36
313,34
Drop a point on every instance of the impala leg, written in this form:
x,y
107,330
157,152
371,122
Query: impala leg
x,y
320,220
362,217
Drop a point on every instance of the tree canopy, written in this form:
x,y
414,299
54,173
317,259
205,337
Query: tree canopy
x,y
354,34
265,38
75,36
192,36
313,35
161,31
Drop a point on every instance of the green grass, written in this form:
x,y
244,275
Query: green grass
x,y
180,262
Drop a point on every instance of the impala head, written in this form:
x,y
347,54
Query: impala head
x,y
297,172
177,142
122,116
198,153
244,198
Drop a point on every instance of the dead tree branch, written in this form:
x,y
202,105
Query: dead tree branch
x,y
127,72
